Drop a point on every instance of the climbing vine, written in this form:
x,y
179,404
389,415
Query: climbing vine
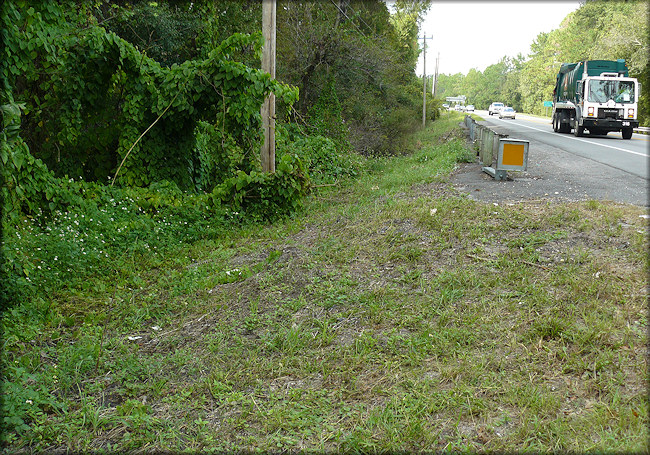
x,y
77,100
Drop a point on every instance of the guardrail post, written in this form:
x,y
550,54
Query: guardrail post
x,y
481,143
481,135
489,145
486,136
495,147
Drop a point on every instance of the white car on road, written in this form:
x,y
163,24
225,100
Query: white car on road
x,y
495,108
507,112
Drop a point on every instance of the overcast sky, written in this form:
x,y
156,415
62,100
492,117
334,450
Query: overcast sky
x,y
478,34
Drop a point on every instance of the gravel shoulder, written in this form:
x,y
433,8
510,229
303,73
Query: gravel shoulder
x,y
551,177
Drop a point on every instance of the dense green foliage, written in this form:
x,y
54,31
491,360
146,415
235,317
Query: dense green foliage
x,y
156,105
99,94
360,60
598,30
131,129
154,91
393,315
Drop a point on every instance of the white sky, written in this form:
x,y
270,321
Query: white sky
x,y
478,34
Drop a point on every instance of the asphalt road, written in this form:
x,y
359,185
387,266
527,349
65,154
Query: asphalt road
x,y
564,167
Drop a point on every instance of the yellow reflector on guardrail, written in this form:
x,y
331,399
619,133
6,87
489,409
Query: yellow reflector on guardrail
x,y
513,155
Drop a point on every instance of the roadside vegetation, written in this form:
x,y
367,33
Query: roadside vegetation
x,y
391,313
159,292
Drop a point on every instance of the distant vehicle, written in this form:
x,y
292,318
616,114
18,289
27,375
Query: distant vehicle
x,y
507,112
458,107
495,108
470,108
446,106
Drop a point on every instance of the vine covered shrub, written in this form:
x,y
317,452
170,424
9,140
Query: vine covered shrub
x,y
326,119
94,106
90,96
174,100
324,159
265,196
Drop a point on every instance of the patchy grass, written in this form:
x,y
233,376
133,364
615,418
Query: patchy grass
x,y
394,314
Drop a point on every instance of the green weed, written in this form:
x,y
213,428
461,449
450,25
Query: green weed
x,y
391,314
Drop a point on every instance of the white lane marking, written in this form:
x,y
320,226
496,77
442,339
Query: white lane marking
x,y
643,137
588,142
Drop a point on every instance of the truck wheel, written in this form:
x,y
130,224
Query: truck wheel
x,y
627,133
563,127
579,131
555,128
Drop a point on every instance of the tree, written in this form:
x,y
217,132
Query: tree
x,y
366,53
598,30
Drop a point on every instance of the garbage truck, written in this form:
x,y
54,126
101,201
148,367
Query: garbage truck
x,y
595,95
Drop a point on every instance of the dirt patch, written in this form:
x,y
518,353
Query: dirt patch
x,y
323,279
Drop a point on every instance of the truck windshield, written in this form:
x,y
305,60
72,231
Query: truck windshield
x,y
602,91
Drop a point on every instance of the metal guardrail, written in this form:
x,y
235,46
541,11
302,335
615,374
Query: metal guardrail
x,y
486,139
497,154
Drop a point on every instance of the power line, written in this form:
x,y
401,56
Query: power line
x,y
359,16
350,20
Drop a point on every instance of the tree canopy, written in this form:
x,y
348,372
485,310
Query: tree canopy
x,y
598,30
170,92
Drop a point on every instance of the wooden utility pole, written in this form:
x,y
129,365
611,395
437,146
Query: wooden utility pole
x,y
424,88
268,66
435,78
424,82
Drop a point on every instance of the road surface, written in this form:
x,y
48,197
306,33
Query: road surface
x,y
564,167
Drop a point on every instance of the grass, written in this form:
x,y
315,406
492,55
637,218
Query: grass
x,y
392,314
